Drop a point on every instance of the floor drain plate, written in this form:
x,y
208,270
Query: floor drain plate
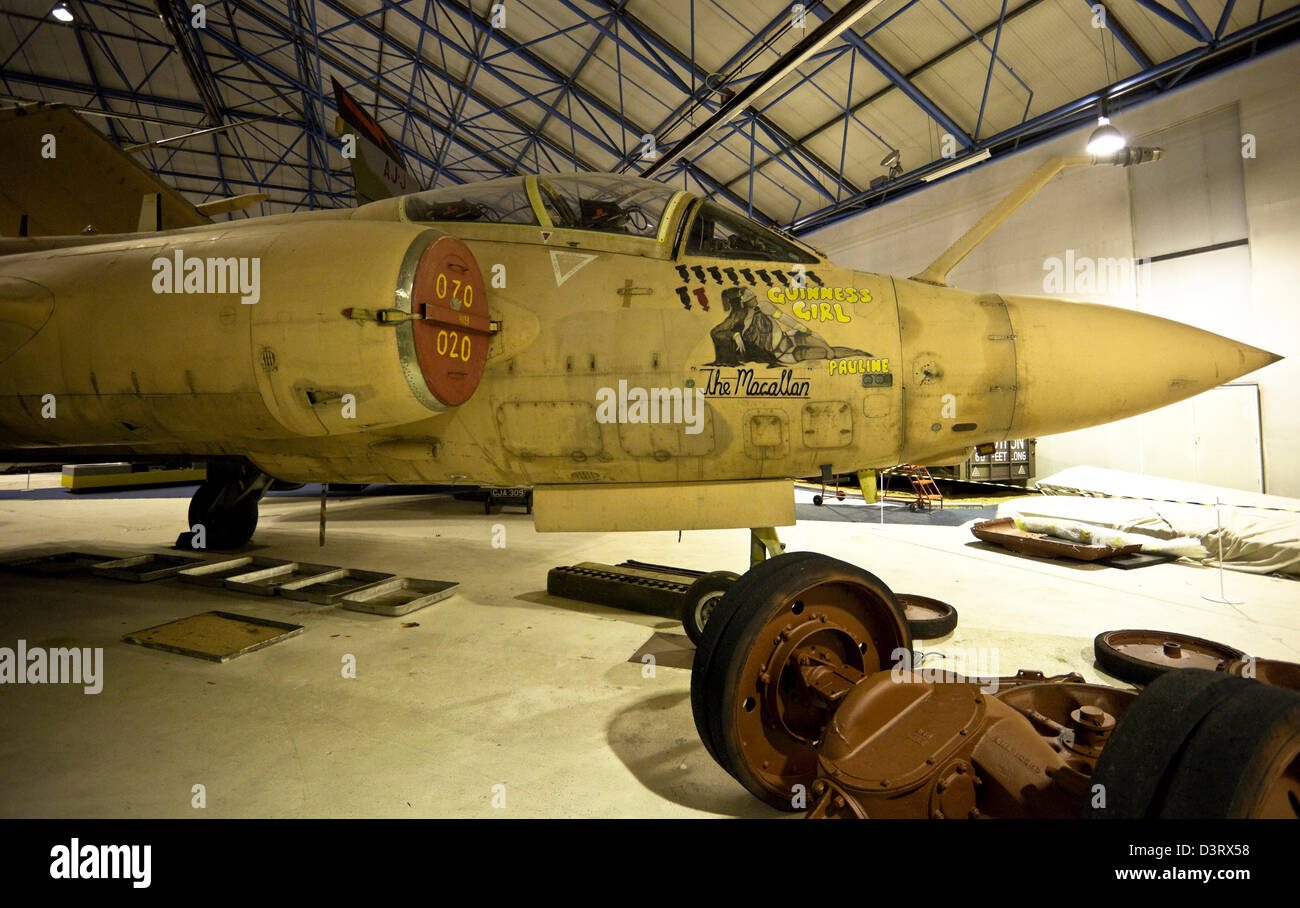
x,y
215,636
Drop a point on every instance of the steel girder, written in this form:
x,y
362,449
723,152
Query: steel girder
x,y
1126,92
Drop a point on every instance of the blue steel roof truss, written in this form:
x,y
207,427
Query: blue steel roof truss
x,y
464,100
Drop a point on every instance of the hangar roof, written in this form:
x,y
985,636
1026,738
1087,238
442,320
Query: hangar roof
x,y
475,89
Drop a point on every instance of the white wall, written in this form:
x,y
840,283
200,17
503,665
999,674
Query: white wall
x,y
1249,293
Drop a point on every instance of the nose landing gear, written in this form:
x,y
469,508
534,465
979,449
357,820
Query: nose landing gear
x,y
223,511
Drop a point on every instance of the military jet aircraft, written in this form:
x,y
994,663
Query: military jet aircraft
x,y
642,357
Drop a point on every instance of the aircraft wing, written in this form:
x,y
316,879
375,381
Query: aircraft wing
x,y
79,179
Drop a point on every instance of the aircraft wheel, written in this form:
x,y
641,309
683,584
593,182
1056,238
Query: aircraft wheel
x,y
224,527
1140,656
1197,744
928,619
817,499
724,610
791,622
1243,760
701,598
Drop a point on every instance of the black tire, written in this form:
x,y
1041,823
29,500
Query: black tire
x,y
1236,756
1133,670
1136,763
817,500
726,608
228,528
768,590
701,598
930,628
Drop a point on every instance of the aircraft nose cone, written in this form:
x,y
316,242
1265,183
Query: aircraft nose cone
x,y
1082,364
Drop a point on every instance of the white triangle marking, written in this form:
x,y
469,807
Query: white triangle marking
x,y
574,260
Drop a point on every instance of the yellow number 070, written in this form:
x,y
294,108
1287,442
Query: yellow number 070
x,y
440,288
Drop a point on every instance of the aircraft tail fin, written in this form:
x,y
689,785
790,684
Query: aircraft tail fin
x,y
378,168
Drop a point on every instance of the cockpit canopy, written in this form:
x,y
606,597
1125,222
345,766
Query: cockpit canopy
x,y
718,233
609,203
586,201
492,202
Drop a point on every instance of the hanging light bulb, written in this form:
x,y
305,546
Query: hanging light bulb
x,y
1105,139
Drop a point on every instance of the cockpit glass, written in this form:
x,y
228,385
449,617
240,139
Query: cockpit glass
x,y
720,233
609,203
493,202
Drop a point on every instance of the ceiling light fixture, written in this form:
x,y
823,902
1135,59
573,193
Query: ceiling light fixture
x,y
1105,139
62,13
893,161
958,164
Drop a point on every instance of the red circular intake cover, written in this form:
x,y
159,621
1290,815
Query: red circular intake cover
x,y
451,340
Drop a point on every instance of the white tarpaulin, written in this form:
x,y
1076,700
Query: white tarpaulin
x,y
1254,539
1103,483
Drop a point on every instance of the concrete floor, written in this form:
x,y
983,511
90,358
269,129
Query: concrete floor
x,y
500,684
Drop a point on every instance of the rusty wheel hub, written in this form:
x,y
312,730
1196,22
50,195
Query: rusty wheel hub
x,y
809,670
804,630
808,656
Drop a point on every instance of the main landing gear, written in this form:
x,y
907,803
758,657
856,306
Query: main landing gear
x,y
705,592
223,511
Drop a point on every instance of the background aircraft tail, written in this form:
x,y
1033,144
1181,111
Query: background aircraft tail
x,y
377,166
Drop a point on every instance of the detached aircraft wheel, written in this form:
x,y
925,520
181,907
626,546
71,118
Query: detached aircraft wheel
x,y
1197,743
1243,761
799,629
927,618
701,598
224,527
1140,656
733,601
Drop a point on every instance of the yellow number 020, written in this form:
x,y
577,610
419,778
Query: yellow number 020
x,y
447,345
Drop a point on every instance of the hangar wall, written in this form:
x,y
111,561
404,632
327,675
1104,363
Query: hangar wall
x,y
1078,239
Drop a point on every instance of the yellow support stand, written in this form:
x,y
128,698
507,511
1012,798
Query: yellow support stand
x,y
870,486
764,544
